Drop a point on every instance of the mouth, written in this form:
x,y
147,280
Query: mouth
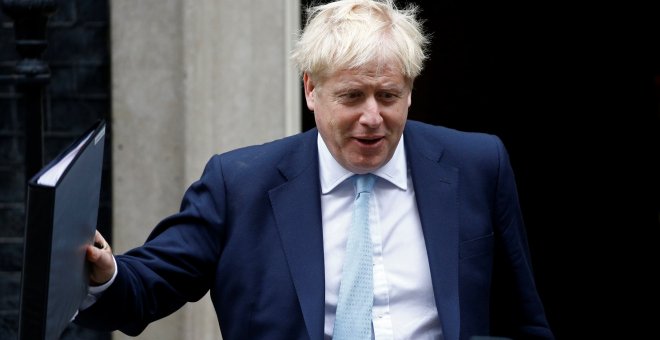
x,y
368,141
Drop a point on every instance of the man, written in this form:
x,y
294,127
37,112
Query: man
x,y
267,229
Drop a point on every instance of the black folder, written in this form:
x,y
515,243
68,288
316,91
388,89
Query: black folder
x,y
61,217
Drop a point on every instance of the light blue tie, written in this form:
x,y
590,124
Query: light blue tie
x,y
356,292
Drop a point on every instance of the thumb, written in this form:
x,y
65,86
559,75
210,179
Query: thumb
x,y
102,264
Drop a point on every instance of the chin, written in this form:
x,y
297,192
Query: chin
x,y
361,168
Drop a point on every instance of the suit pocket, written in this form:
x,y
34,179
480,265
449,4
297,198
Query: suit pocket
x,y
477,246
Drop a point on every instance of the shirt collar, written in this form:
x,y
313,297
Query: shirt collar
x,y
332,173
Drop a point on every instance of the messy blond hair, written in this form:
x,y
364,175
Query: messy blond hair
x,y
348,34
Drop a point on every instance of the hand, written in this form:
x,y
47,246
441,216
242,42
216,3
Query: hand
x,y
101,263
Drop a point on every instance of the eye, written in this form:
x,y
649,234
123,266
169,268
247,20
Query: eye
x,y
350,96
388,96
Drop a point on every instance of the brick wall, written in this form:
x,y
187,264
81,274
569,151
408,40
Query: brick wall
x,y
79,94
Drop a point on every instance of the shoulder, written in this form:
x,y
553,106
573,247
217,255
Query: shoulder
x,y
480,158
267,156
452,143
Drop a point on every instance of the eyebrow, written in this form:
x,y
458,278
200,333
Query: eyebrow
x,y
357,86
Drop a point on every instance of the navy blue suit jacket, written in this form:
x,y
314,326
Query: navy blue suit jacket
x,y
250,232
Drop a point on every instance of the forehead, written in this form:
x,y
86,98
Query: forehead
x,y
371,74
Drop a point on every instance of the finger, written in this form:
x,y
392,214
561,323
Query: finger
x,y
99,255
99,249
99,241
93,253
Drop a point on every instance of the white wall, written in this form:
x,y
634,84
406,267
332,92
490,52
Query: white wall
x,y
191,78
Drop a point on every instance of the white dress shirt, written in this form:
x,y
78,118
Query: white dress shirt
x,y
404,305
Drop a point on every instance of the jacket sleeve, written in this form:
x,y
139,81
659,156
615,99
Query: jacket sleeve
x,y
174,266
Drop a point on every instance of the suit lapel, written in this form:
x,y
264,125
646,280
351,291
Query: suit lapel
x,y
297,210
436,192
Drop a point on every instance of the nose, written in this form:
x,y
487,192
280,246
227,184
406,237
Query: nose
x,y
370,115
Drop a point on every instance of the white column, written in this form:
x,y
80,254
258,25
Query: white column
x,y
191,78
240,88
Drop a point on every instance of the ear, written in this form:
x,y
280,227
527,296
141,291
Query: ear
x,y
309,85
409,98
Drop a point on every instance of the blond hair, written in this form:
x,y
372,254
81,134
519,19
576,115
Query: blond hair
x,y
348,34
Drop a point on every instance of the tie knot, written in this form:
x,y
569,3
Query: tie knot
x,y
364,183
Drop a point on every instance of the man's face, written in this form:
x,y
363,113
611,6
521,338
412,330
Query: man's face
x,y
360,114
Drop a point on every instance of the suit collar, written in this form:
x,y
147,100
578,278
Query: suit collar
x,y
436,192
